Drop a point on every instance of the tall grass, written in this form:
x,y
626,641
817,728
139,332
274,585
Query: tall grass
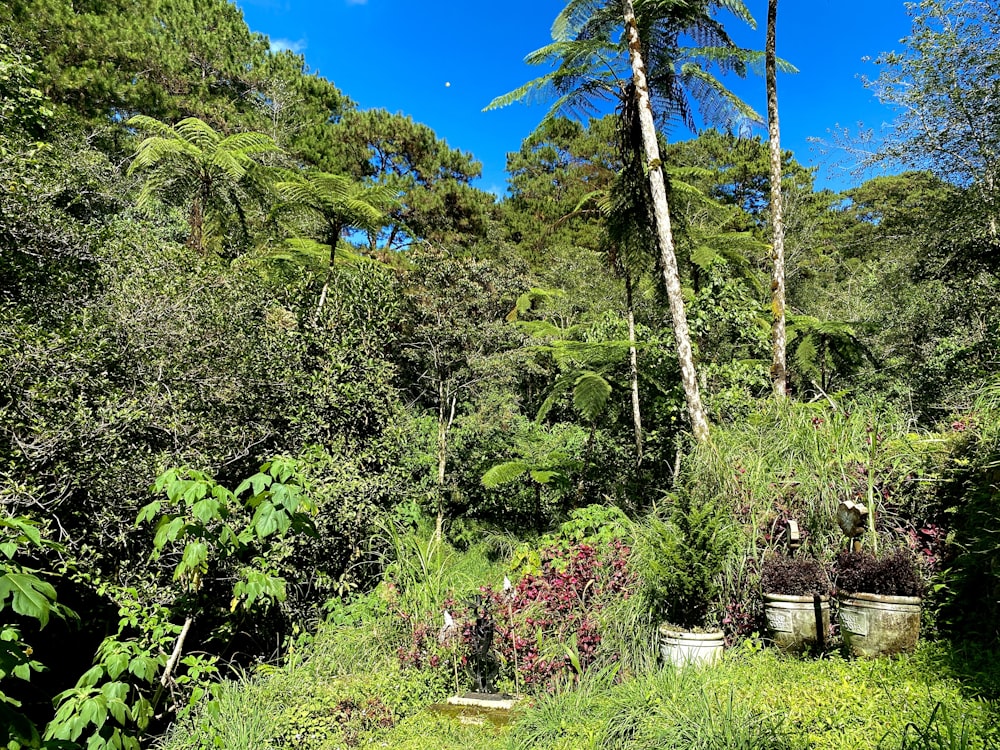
x,y
245,717
800,461
758,699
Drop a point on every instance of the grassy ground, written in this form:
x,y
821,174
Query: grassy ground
x,y
351,692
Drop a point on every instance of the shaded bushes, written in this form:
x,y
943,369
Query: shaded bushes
x,y
793,576
894,574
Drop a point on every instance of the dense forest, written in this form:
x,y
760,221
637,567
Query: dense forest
x,y
264,354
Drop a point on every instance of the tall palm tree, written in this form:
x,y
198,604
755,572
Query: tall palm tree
x,y
779,368
339,204
193,165
595,64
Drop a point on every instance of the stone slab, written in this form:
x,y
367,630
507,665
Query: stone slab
x,y
500,701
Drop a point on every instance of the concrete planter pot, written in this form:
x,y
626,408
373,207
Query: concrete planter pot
x,y
797,623
682,648
875,625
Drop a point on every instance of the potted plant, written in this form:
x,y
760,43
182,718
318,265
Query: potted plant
x,y
879,599
680,562
796,602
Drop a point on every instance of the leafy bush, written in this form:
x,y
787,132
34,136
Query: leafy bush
x,y
548,624
894,574
793,576
680,561
971,586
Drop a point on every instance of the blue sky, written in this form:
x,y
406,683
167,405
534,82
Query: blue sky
x,y
441,62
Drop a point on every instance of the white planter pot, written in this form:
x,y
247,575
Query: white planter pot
x,y
682,648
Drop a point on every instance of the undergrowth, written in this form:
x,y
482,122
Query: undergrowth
x,y
755,698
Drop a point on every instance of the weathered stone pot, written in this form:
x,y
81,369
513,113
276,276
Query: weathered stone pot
x,y
876,625
797,623
683,648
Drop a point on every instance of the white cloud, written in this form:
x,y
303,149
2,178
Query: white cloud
x,y
280,45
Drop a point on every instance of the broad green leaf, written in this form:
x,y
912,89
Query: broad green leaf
x,y
118,710
148,513
195,555
195,492
30,596
174,529
115,690
142,712
95,711
116,664
91,677
259,482
206,510
544,477
265,521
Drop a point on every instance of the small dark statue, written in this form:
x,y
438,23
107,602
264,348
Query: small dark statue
x,y
484,668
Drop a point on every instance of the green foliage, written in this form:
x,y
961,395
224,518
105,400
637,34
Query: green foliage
x,y
23,106
753,698
333,201
436,201
823,350
680,558
972,472
937,81
28,595
942,732
756,699
589,55
167,59
111,704
200,514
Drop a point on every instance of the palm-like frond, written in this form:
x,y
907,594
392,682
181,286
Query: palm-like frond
x,y
574,16
338,200
590,62
198,133
823,345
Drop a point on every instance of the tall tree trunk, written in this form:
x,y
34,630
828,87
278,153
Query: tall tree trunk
x,y
633,365
779,366
657,186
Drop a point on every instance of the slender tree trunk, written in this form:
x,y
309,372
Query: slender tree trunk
x,y
657,186
175,655
779,367
445,418
633,364
196,222
334,237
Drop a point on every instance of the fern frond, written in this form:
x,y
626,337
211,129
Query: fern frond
x,y
590,394
539,328
198,132
144,122
505,473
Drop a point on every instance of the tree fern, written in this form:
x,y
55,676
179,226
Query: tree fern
x,y
191,164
